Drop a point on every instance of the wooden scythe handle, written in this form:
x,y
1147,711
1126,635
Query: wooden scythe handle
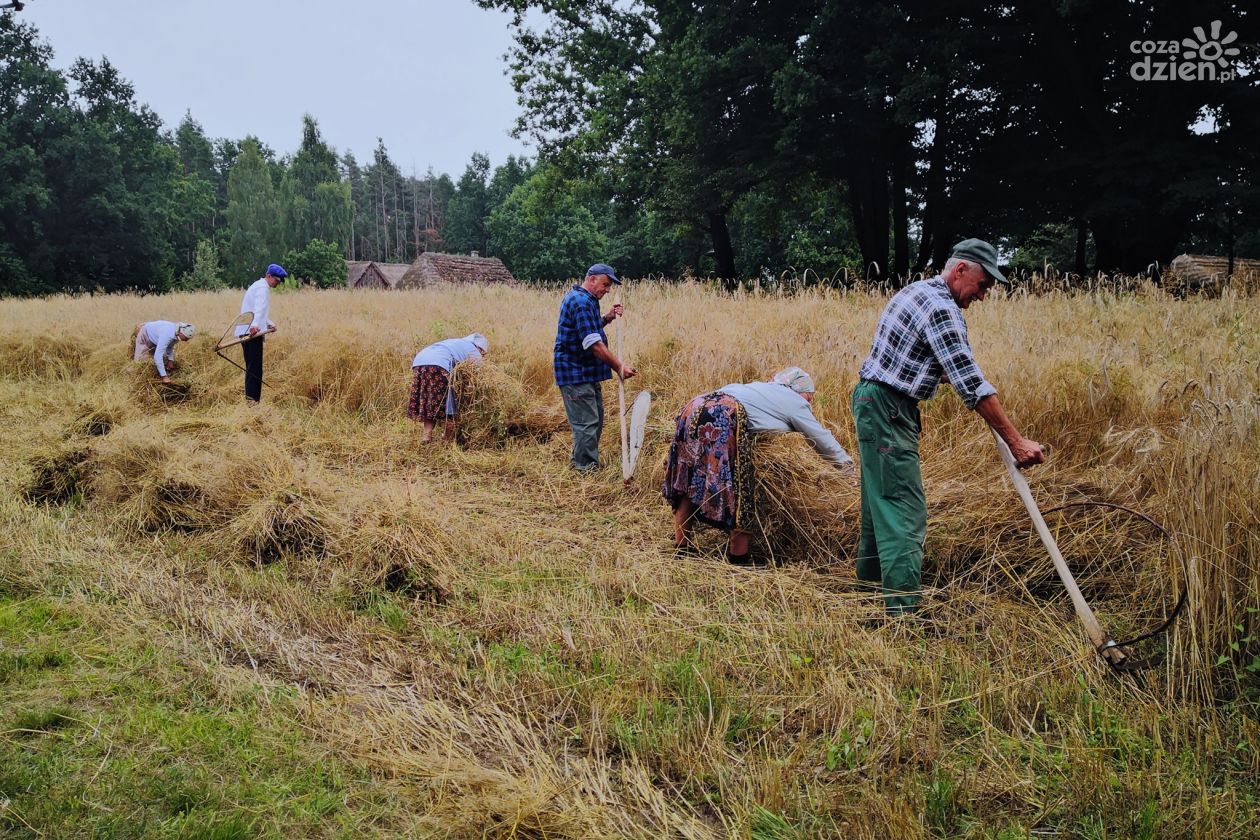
x,y
242,339
1103,643
621,401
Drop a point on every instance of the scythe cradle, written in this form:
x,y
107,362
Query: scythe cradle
x,y
223,344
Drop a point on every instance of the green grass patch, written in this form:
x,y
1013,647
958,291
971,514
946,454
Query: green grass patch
x,y
103,734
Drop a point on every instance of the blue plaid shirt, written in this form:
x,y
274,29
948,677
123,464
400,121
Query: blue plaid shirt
x,y
581,325
922,336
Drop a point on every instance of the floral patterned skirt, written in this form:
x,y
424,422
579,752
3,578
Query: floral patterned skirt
x,y
710,463
428,393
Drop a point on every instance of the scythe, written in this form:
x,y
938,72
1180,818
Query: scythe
x,y
1108,648
631,438
223,343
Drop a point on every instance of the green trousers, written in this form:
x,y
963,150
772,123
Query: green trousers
x,y
894,508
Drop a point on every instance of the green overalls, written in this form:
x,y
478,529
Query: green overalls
x,y
894,508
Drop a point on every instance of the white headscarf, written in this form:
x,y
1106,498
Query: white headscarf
x,y
479,341
796,379
186,330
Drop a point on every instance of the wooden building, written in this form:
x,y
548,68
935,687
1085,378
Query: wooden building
x,y
361,274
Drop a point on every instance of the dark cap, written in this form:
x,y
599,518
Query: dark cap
x,y
277,270
600,268
979,251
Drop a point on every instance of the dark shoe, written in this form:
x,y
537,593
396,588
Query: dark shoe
x,y
747,560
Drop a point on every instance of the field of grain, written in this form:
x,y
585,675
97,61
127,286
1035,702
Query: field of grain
x,y
295,620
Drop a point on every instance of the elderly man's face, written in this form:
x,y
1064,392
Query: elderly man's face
x,y
598,284
969,283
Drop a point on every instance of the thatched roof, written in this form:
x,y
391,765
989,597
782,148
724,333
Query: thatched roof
x,y
430,269
374,275
1201,272
354,271
393,272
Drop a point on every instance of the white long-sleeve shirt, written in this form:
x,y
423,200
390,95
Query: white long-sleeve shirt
x,y
163,335
777,408
257,300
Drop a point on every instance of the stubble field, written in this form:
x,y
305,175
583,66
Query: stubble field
x,y
296,621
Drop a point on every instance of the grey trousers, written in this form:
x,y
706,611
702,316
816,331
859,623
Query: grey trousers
x,y
584,406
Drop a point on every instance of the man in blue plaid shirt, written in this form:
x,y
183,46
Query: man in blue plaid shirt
x,y
582,361
921,338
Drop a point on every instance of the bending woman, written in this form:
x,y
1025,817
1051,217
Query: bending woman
x,y
431,380
709,473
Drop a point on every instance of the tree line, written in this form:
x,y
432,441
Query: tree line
x,y
896,128
824,138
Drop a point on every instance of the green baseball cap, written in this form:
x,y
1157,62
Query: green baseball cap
x,y
979,251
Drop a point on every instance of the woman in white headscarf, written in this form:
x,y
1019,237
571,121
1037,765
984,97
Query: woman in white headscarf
x,y
431,383
709,472
158,339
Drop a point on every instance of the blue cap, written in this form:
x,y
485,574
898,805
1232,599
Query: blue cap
x,y
277,271
600,268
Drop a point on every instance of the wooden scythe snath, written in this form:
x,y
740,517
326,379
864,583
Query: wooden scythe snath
x,y
632,438
224,343
621,397
1108,648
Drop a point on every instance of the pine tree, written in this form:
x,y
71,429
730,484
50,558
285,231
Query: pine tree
x,y
316,203
253,237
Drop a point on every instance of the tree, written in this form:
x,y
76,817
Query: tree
x,y
382,218
206,273
90,190
543,230
316,203
115,216
671,101
353,176
35,116
319,263
253,221
466,213
432,197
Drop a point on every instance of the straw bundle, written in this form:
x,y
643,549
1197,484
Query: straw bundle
x,y
146,389
806,508
184,473
406,558
98,418
494,406
125,463
287,522
181,494
57,475
349,372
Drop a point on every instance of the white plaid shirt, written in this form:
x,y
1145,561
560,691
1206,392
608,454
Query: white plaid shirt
x,y
920,338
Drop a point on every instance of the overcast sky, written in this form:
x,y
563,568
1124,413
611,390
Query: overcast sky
x,y
427,76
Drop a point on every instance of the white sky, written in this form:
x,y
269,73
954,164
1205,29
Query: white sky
x,y
427,76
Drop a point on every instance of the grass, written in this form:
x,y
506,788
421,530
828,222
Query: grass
x,y
297,621
105,734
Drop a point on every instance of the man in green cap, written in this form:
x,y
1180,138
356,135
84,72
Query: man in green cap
x,y
920,338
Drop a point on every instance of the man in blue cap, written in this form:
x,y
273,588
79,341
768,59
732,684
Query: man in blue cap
x,y
257,302
920,338
583,361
